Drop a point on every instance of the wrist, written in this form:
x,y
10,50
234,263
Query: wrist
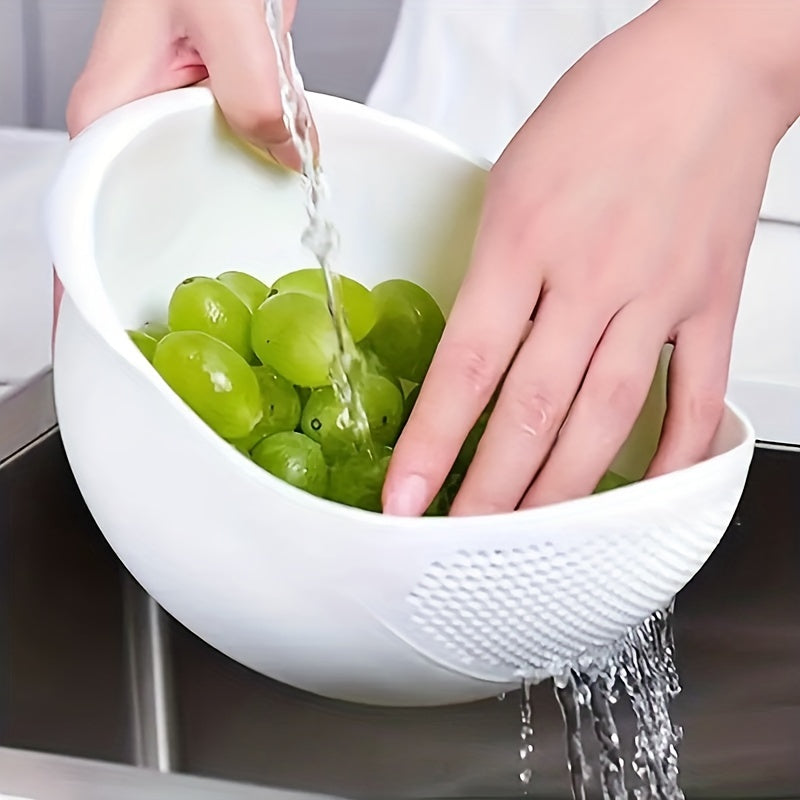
x,y
757,41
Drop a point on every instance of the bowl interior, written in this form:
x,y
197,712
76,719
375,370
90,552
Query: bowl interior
x,y
185,197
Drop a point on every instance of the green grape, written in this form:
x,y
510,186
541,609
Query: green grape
x,y
244,446
440,506
407,387
409,402
212,379
158,330
147,337
358,480
293,333
383,405
373,364
145,343
356,300
323,413
467,452
250,290
303,392
320,421
408,328
280,404
611,480
206,305
293,458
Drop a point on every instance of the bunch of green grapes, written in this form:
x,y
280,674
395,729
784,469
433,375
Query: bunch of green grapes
x,y
254,362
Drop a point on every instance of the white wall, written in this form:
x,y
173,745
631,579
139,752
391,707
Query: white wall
x,y
12,85
340,44
43,44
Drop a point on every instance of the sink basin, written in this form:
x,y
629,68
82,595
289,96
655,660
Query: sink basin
x,y
96,671
63,633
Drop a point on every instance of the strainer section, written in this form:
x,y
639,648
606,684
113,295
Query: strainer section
x,y
529,610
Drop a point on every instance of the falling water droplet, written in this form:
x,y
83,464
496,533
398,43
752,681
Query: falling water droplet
x,y
647,670
525,734
644,664
320,236
568,698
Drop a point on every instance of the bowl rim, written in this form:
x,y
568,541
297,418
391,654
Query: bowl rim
x,y
69,217
70,203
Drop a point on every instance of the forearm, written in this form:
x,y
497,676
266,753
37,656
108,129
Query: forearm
x,y
758,39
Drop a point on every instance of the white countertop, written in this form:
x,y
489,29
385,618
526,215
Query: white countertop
x,y
28,160
41,776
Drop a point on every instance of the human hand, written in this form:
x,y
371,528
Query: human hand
x,y
622,213
143,47
147,46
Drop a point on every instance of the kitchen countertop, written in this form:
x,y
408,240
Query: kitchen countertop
x,y
40,776
26,411
28,161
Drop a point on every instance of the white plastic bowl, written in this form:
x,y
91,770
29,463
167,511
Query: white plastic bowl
x,y
337,601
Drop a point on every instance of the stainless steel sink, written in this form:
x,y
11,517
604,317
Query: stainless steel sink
x,y
94,670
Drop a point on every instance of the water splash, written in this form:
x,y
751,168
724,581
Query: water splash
x,y
602,698
525,735
570,699
646,664
643,665
320,236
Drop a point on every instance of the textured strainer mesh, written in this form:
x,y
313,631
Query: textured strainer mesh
x,y
526,610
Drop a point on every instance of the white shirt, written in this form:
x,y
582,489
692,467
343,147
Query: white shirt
x,y
474,70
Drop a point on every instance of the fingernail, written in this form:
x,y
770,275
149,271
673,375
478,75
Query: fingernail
x,y
408,498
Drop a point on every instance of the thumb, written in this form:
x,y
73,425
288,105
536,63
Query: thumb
x,y
242,64
121,68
